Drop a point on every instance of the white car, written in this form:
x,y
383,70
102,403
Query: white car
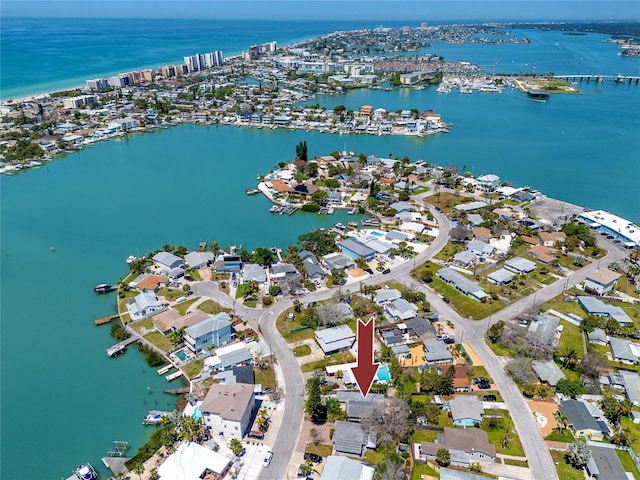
x,y
267,459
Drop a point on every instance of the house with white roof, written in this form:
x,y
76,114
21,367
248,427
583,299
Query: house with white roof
x,y
384,295
335,339
520,265
253,272
169,264
191,461
488,183
144,305
401,309
344,468
631,382
198,260
547,371
228,356
501,276
621,350
461,283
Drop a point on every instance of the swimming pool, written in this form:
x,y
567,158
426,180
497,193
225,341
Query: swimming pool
x,y
181,355
197,413
376,233
383,375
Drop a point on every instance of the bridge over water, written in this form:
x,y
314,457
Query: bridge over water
x,y
586,77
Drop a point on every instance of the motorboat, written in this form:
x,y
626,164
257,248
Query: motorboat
x,y
131,258
85,472
103,288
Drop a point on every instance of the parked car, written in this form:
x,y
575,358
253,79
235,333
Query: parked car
x,y
484,385
480,380
446,300
385,271
189,293
449,340
489,398
267,459
314,457
181,299
369,271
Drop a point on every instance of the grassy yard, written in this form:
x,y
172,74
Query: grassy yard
x,y
446,201
565,471
558,304
634,433
301,350
144,324
517,463
449,250
627,463
211,307
425,435
420,469
193,369
497,433
171,294
284,326
481,372
334,359
500,350
320,449
373,457
184,306
556,436
265,377
195,274
571,339
159,340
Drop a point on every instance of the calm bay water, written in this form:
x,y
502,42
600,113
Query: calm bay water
x,y
61,395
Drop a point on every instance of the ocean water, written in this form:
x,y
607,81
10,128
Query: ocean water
x,y
61,396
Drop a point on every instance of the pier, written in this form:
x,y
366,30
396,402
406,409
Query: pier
x,y
177,391
154,417
107,319
118,348
174,375
580,77
165,369
115,459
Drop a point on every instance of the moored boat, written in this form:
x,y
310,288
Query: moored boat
x,y
103,288
85,472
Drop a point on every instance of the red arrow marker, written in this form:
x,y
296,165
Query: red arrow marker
x,y
366,369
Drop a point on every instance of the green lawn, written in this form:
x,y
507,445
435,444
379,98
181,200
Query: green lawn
x,y
320,449
250,303
195,274
571,339
301,350
495,434
481,372
159,340
211,307
373,457
500,350
193,369
334,359
556,436
558,304
425,435
627,463
184,306
634,433
265,377
565,471
420,469
145,323
284,326
517,463
171,294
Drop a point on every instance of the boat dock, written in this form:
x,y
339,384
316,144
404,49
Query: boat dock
x,y
283,209
107,319
154,417
115,459
165,369
177,391
118,348
174,375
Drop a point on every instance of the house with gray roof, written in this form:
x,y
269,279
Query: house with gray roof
x,y
474,219
501,276
547,371
253,272
281,270
480,248
621,350
227,263
396,236
595,306
470,206
461,283
436,352
307,255
520,265
420,327
143,305
465,445
343,468
543,332
351,438
580,420
166,261
335,339
314,271
380,246
384,295
464,259
466,410
631,382
604,464
451,474
400,309
355,249
198,260
598,336
338,261
210,333
357,407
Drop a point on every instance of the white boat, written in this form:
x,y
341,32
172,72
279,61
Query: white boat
x,y
85,472
131,258
274,208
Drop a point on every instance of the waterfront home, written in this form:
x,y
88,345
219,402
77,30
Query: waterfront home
x,y
338,261
167,262
227,263
282,270
149,283
123,124
171,319
547,371
252,272
601,282
211,332
227,409
466,410
604,464
345,468
229,356
520,265
464,445
351,438
356,249
595,306
488,183
197,260
144,305
462,284
311,265
544,332
335,339
580,421
191,461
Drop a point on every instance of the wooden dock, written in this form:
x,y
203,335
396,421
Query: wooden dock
x,y
118,348
107,319
177,391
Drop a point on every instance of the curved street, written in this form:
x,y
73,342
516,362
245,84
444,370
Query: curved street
x,y
469,331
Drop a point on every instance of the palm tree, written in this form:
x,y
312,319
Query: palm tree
x,y
138,469
561,420
154,473
570,359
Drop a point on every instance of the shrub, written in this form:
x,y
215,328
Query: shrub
x,y
311,207
267,300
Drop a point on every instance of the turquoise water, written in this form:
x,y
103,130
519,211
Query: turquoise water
x,y
181,355
186,185
383,375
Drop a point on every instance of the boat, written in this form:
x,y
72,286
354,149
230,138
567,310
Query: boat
x,y
154,417
252,191
85,472
330,210
274,208
131,258
103,288
352,211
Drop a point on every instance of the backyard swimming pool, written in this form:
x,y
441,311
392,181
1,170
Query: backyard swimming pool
x,y
383,375
181,355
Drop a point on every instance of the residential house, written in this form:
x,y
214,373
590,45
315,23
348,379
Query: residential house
x,y
343,468
520,265
529,240
595,306
197,260
465,446
604,464
335,339
229,356
480,248
543,332
150,283
212,332
481,234
420,328
400,309
144,305
304,190
227,409
358,408
168,264
549,239
351,438
384,295
580,420
523,196
466,410
356,249
601,282
488,183
227,263
253,272
282,270
460,379
547,371
621,350
380,247
436,352
171,319
338,261
474,221
501,276
542,254
598,336
631,382
462,284
465,259
192,461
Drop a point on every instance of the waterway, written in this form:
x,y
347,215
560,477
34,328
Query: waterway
x,y
64,401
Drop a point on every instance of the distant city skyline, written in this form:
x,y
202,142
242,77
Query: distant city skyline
x,y
409,10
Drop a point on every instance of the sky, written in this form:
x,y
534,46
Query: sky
x,y
381,10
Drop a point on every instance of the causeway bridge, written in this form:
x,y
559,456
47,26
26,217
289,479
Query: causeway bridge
x,y
586,77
